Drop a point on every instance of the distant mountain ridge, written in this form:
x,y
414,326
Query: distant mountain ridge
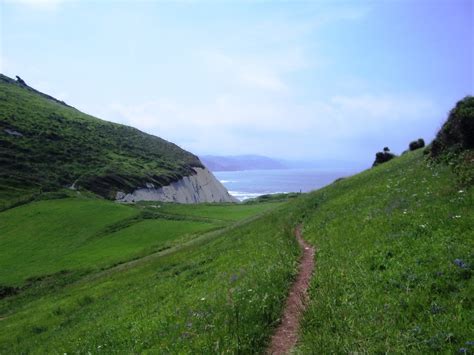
x,y
260,162
241,162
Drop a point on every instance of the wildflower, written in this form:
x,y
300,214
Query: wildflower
x,y
423,226
203,298
457,216
460,263
460,191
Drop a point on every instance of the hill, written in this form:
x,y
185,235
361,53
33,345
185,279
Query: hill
x,y
394,261
46,145
88,275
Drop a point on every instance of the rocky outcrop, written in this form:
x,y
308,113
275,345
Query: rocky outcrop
x,y
201,187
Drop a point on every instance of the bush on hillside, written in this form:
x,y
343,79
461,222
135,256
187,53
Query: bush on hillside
x,y
383,157
454,143
420,143
457,133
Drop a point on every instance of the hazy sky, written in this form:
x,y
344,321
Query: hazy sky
x,y
290,79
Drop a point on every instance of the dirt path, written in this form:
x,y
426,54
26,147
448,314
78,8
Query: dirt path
x,y
286,334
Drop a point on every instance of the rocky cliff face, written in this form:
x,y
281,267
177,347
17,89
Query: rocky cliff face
x,y
201,187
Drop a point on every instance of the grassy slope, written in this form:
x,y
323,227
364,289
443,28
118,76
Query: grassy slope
x,y
52,236
386,276
60,145
231,212
221,293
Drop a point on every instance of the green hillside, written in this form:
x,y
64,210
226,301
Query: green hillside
x,y
46,145
199,291
81,235
394,263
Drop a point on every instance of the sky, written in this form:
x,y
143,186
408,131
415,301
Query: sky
x,y
302,80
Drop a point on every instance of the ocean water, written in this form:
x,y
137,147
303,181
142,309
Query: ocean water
x,y
253,183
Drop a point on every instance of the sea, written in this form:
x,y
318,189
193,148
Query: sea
x,y
253,183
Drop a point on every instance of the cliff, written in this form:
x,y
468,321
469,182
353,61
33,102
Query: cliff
x,y
197,188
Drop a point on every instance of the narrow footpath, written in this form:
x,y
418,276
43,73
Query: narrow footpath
x,y
286,334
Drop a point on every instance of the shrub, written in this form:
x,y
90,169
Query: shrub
x,y
383,157
457,133
454,143
420,143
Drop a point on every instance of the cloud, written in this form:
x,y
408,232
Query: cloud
x,y
264,72
318,129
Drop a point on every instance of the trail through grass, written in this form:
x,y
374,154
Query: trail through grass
x,y
395,260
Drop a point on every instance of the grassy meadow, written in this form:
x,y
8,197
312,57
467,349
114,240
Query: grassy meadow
x,y
395,257
65,235
197,279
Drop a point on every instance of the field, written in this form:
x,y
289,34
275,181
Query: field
x,y
209,281
90,234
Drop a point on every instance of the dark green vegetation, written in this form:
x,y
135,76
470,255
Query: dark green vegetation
x,y
46,145
279,197
383,157
394,263
454,143
419,143
457,133
197,292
